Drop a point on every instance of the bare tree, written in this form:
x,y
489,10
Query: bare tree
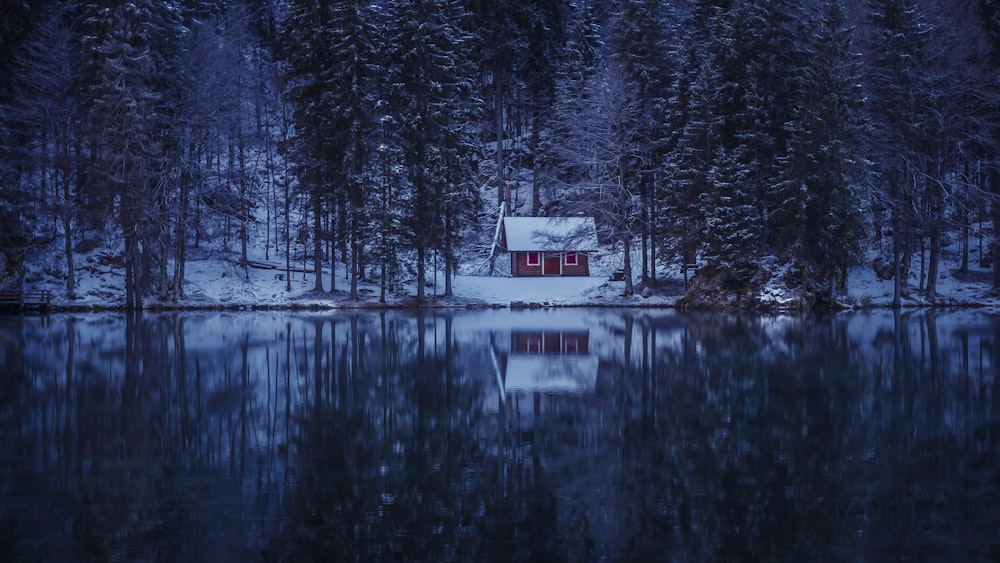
x,y
44,112
600,159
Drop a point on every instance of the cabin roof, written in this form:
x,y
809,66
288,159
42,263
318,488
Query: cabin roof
x,y
551,373
551,234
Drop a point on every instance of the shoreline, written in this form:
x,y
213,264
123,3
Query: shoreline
x,y
355,306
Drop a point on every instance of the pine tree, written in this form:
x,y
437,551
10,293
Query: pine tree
x,y
899,107
546,34
352,76
737,172
41,146
989,13
432,99
820,212
307,48
129,51
520,45
731,231
388,179
584,58
641,43
582,53
501,46
688,156
16,26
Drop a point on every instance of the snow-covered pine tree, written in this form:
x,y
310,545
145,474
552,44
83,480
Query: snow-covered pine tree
x,y
519,46
352,75
546,33
641,35
989,13
501,45
583,59
433,98
335,61
582,54
820,212
689,154
782,30
732,234
307,47
736,179
39,153
16,197
127,104
388,182
899,107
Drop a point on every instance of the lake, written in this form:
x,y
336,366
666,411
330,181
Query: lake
x,y
541,435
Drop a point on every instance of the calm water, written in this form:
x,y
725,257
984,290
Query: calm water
x,y
567,435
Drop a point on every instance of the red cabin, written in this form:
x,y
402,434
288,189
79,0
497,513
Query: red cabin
x,y
549,246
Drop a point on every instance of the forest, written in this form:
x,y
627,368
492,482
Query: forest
x,y
387,135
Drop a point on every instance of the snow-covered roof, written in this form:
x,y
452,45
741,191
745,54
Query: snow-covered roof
x,y
551,373
551,234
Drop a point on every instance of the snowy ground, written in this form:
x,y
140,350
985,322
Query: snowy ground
x,y
214,280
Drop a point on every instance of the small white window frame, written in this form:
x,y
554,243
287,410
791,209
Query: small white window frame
x,y
575,257
537,261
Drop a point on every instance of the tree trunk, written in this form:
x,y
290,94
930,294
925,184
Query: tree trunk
x,y
180,227
651,229
288,236
421,275
67,220
132,299
644,217
536,189
355,264
934,259
629,287
897,273
448,260
964,219
995,212
333,251
356,245
163,232
498,124
343,231
318,241
244,205
382,281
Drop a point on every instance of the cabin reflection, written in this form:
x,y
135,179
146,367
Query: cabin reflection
x,y
546,362
551,342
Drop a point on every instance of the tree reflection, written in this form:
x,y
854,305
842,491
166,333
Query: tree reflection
x,y
373,436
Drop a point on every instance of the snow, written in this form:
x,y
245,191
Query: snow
x,y
551,233
215,280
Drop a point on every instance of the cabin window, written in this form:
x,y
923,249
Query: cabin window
x,y
534,259
571,259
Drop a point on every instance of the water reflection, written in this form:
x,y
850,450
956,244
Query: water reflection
x,y
495,435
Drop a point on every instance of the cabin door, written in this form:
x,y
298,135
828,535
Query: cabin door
x,y
552,265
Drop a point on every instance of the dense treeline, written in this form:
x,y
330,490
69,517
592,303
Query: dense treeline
x,y
734,134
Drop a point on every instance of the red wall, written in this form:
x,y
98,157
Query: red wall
x,y
551,342
519,266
